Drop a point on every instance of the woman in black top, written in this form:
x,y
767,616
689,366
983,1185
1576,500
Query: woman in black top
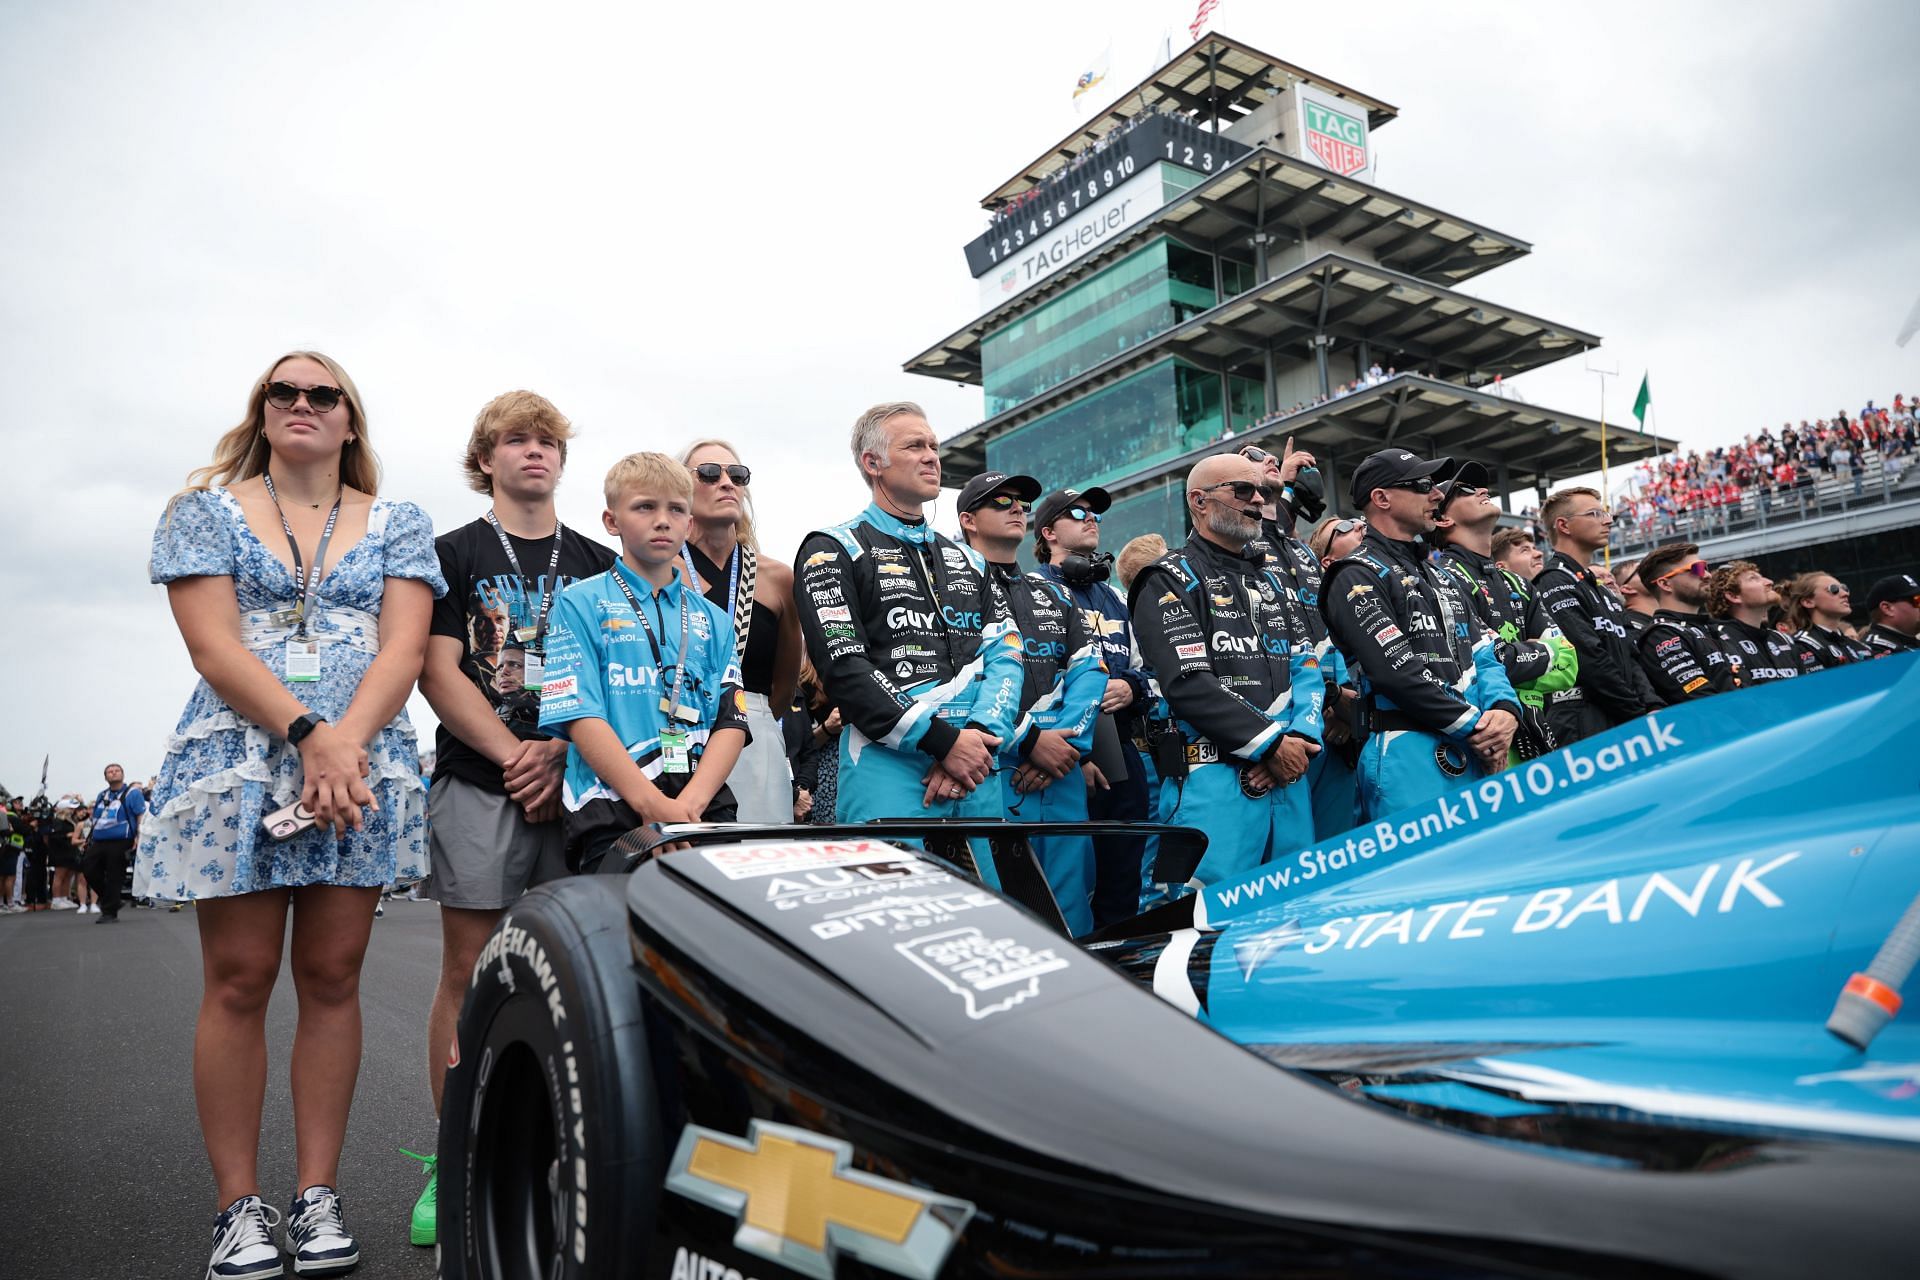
x,y
723,560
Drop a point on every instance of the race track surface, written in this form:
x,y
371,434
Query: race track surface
x,y
102,1172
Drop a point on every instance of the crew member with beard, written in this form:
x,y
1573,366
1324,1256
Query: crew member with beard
x,y
1893,615
1538,659
1300,499
1239,677
1041,762
1439,706
1678,646
1738,597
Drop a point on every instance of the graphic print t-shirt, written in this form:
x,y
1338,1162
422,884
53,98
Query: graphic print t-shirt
x,y
486,602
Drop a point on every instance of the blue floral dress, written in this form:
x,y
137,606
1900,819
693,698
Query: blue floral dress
x,y
201,837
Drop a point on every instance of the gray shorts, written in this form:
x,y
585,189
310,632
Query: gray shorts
x,y
482,851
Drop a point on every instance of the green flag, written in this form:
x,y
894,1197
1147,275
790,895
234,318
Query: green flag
x,y
1642,402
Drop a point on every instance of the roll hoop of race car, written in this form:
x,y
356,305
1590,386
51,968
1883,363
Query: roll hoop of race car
x,y
1569,1019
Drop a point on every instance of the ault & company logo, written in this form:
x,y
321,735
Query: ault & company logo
x,y
1338,139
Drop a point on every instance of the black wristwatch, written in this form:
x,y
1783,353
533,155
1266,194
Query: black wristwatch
x,y
306,724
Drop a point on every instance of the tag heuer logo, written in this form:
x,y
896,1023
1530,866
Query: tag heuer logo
x,y
1337,140
797,1201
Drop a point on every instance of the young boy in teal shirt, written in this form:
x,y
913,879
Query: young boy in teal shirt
x,y
640,677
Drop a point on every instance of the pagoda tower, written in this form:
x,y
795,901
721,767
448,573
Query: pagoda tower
x,y
1211,254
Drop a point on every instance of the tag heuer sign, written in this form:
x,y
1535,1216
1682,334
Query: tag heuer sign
x,y
1337,140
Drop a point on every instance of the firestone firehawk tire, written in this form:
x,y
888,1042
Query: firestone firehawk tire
x,y
547,1141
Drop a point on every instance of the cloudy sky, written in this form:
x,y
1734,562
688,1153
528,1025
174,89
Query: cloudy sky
x,y
742,225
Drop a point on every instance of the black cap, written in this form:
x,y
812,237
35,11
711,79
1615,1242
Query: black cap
x,y
1391,466
987,483
1898,586
1468,475
1055,504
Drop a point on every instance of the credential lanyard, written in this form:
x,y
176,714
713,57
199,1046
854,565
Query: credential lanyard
x,y
670,704
553,569
307,585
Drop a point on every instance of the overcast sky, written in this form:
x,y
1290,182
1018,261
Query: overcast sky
x,y
743,226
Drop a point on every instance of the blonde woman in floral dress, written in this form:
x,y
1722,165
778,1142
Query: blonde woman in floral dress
x,y
304,601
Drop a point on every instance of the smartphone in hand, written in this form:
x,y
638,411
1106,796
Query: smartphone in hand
x,y
284,824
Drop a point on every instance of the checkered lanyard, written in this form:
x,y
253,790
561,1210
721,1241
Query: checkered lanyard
x,y
741,572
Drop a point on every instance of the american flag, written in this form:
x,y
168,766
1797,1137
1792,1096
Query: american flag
x,y
1200,18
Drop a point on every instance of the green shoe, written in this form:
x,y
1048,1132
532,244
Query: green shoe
x,y
426,1210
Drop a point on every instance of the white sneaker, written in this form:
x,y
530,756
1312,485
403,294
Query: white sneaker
x,y
63,904
317,1236
243,1247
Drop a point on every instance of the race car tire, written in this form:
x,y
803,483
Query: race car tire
x,y
548,1150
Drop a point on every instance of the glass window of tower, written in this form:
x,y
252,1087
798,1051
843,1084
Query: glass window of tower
x,y
1158,413
1154,288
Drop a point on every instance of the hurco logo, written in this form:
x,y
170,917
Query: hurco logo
x,y
1338,140
797,1202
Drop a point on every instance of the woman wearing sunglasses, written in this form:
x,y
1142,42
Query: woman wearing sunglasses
x,y
304,601
723,561
1817,608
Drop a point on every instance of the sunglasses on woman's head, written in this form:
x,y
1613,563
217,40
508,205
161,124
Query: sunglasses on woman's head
x,y
284,395
710,473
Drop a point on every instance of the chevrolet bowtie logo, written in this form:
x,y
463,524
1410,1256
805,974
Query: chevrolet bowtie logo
x,y
798,1203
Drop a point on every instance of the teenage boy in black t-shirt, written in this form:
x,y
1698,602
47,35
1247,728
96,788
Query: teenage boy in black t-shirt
x,y
494,807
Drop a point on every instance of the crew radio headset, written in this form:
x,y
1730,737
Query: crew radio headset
x,y
534,637
303,651
674,751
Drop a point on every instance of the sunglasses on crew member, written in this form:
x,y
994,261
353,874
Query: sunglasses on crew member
x,y
1254,453
1005,502
1698,569
1423,485
710,473
284,395
1344,527
1081,514
1243,490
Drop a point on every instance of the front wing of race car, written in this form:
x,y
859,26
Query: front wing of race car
x,y
841,1057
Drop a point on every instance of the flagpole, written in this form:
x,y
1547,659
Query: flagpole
x,y
1606,497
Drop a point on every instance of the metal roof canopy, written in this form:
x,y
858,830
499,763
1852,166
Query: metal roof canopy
x,y
1266,192
1215,78
1530,442
1401,318
1396,315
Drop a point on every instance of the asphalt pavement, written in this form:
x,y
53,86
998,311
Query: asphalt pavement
x,y
102,1172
